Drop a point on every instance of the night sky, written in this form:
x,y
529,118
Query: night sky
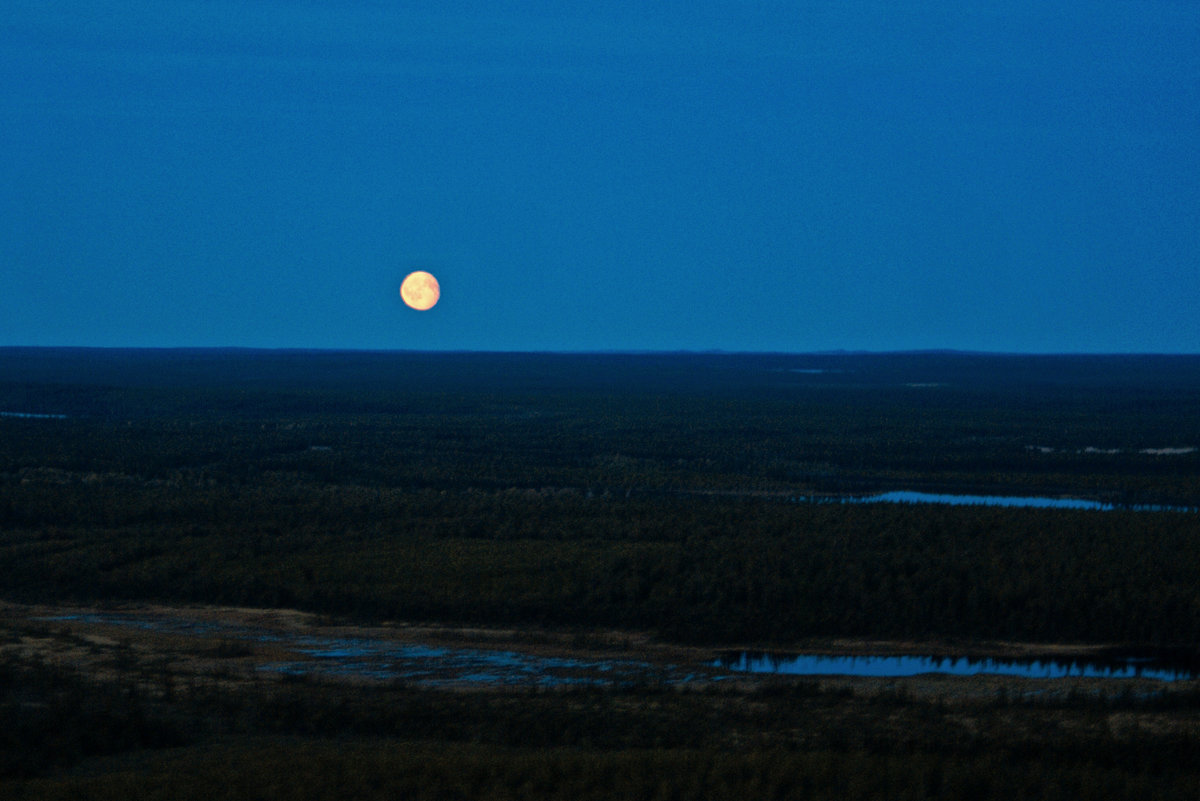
x,y
1014,176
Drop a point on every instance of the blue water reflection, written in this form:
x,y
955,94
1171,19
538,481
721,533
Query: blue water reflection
x,y
34,416
906,496
384,659
986,500
895,666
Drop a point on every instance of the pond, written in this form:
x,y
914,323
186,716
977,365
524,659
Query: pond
x,y
905,496
1127,667
34,416
299,654
439,666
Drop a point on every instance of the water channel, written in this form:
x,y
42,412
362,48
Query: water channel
x,y
1145,667
387,659
296,653
906,496
34,416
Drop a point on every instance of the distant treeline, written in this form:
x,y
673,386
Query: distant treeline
x,y
1028,424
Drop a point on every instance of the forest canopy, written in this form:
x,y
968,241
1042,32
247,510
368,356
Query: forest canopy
x,y
668,492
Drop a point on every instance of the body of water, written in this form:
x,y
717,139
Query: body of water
x,y
895,666
384,658
906,496
985,500
388,659
436,666
33,416
381,658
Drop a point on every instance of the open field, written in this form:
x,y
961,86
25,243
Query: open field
x,y
194,544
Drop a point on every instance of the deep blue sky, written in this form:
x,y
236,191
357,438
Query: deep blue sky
x,y
1014,176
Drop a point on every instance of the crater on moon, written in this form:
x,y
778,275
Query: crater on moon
x,y
420,290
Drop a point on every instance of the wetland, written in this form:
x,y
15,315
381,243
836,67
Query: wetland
x,y
257,569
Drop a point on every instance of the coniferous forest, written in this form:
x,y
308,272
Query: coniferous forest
x,y
696,501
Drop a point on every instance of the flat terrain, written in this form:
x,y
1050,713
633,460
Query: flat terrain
x,y
250,646
302,575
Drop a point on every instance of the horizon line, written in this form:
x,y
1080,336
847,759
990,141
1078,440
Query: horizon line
x,y
602,351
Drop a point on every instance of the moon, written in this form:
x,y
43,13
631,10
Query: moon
x,y
420,290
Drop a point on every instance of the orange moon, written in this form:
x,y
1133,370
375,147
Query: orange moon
x,y
420,290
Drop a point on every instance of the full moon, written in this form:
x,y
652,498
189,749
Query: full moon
x,y
420,290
